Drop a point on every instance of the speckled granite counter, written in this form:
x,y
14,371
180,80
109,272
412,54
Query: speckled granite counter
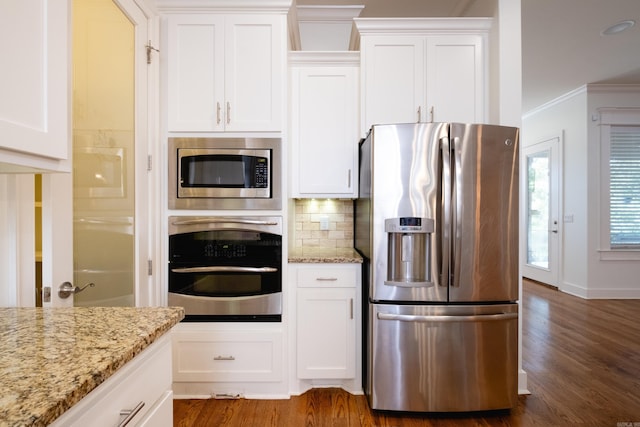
x,y
325,255
51,358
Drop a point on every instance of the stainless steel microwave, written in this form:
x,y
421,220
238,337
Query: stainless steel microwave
x,y
225,173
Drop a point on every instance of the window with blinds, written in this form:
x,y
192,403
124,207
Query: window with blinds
x,y
624,187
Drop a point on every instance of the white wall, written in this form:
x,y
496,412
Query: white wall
x,y
17,242
607,278
582,272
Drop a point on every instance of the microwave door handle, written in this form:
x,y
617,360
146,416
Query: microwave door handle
x,y
227,269
223,221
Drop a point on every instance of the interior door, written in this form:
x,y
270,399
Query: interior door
x,y
541,165
89,234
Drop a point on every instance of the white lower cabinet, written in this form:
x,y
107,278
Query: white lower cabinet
x,y
228,360
141,388
328,324
326,333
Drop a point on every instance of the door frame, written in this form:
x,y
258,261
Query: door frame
x,y
553,276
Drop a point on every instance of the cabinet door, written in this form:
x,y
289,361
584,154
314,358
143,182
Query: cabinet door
x,y
35,84
393,80
326,333
254,72
325,140
195,73
455,79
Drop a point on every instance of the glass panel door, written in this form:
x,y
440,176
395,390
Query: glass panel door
x,y
538,194
541,166
104,153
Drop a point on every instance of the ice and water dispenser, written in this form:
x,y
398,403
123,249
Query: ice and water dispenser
x,y
409,246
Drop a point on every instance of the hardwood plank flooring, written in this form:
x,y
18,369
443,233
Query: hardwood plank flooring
x,y
582,358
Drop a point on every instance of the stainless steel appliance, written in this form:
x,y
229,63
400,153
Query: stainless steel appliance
x,y
437,224
226,268
225,173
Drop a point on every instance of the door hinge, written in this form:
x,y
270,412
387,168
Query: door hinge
x,y
150,49
149,163
150,267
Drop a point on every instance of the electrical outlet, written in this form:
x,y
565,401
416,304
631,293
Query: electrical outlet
x,y
324,222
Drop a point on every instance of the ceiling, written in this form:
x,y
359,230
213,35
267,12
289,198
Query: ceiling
x,y
562,48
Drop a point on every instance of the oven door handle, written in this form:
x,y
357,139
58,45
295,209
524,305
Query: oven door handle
x,y
218,269
223,221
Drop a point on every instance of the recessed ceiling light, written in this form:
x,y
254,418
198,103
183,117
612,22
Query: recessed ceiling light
x,y
618,28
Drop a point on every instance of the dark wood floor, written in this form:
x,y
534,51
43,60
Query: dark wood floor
x,y
582,358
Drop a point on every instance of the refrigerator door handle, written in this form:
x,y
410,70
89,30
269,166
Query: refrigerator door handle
x,y
456,213
448,318
444,234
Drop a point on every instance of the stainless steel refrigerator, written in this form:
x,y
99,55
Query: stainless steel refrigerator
x,y
436,221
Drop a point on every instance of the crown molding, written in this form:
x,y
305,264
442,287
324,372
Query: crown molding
x,y
318,58
265,6
403,26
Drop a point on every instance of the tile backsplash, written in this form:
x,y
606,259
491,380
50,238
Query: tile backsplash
x,y
338,216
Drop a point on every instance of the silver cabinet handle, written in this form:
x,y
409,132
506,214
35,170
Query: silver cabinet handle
x,y
130,414
447,318
217,113
224,268
66,289
326,279
228,112
431,114
419,114
350,308
349,179
224,358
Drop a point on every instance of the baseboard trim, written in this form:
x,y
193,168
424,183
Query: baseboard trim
x,y
522,382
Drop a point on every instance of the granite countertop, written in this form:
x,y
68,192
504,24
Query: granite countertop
x,y
50,358
324,255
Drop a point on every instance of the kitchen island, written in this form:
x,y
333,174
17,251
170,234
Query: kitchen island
x,y
52,358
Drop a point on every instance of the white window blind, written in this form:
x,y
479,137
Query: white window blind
x,y
624,187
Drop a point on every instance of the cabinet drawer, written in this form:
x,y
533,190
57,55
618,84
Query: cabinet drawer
x,y
221,356
345,276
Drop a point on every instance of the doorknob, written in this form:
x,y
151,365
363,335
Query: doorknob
x,y
67,289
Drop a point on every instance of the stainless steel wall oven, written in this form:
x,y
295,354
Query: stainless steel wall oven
x,y
226,268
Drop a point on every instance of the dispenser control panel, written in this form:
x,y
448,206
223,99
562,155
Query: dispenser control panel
x,y
408,224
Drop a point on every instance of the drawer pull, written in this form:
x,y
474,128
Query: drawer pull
x,y
326,279
224,358
130,414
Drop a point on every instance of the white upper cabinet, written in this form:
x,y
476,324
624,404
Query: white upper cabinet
x,y
34,85
456,79
424,70
393,72
226,72
324,124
